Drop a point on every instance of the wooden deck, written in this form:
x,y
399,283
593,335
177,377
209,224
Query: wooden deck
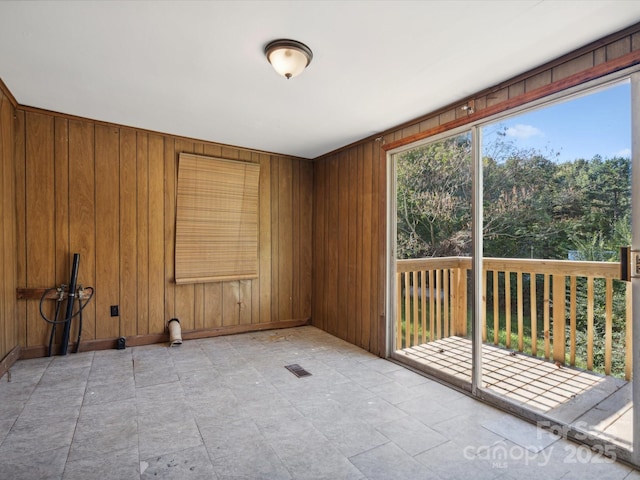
x,y
597,404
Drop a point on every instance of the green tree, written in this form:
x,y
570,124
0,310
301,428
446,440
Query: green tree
x,y
434,199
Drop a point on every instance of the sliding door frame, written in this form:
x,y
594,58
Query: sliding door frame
x,y
475,387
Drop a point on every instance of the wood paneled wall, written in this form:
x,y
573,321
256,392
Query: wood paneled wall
x,y
109,193
350,190
8,333
349,242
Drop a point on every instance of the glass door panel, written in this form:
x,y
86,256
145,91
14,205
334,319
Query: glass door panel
x,y
557,206
433,188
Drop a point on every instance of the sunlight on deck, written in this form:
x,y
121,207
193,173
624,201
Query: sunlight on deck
x,y
567,394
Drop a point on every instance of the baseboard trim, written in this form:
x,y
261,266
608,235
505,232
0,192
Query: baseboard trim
x,y
140,340
9,359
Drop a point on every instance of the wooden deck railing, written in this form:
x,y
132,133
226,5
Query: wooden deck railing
x,y
432,296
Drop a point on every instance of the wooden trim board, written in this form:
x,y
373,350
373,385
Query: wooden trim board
x,y
139,340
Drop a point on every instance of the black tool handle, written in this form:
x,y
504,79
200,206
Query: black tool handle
x,y
70,299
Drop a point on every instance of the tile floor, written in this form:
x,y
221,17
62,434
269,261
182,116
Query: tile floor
x,y
226,408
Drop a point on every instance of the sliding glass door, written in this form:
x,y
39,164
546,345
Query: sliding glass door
x,y
511,230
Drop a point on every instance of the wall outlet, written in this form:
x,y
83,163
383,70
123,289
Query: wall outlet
x,y
114,311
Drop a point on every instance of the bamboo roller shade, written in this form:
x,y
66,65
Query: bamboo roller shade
x,y
216,220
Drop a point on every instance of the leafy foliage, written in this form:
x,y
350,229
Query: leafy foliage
x,y
534,207
433,198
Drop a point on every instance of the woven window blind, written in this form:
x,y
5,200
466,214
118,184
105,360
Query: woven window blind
x,y
216,220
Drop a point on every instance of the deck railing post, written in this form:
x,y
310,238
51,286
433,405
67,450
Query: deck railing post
x,y
461,314
559,318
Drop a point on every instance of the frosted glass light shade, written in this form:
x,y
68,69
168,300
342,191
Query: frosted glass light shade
x,y
288,57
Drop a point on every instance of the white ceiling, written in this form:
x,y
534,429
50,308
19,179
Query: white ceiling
x,y
197,69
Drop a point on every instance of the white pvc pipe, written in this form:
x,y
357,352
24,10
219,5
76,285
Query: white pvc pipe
x,y
175,332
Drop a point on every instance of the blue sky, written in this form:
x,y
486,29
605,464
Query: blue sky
x,y
594,124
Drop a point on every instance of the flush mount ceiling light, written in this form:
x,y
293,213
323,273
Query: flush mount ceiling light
x,y
288,57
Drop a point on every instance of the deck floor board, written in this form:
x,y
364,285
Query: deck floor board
x,y
596,403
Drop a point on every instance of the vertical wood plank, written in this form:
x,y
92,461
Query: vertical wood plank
x,y
285,240
378,253
534,314
416,296
464,298
455,313
520,312
406,334
306,237
332,247
545,306
107,290
559,318
213,305
608,326
572,320
62,199
198,306
231,303
445,301
230,153
432,308
61,187
264,241
156,235
20,158
382,334
455,301
296,238
128,233
142,231
82,228
319,245
275,237
244,302
352,279
484,308
496,310
438,301
40,218
507,307
423,304
360,307
367,233
343,319
398,340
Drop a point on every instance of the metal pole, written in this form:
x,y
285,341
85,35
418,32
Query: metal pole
x,y
70,299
